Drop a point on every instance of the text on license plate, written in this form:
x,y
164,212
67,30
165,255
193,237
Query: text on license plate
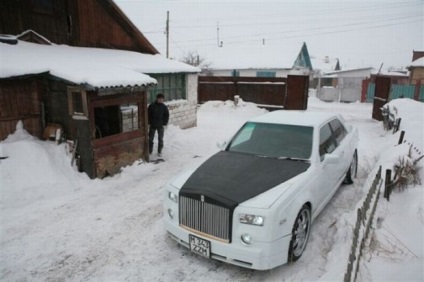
x,y
200,246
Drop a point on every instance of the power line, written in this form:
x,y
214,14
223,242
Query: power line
x,y
229,42
176,23
324,12
387,22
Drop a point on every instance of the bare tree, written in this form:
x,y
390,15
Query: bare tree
x,y
193,58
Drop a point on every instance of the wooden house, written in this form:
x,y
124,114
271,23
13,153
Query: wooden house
x,y
98,94
416,68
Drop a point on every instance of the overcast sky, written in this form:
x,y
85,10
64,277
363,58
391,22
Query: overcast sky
x,y
359,33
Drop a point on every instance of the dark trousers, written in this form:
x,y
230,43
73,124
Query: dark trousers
x,y
152,131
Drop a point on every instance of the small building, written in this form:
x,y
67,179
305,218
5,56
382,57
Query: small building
x,y
416,68
100,24
258,61
347,85
96,97
321,66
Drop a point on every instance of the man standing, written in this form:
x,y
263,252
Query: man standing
x,y
158,116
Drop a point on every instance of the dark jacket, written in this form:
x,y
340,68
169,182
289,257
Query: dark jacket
x,y
158,114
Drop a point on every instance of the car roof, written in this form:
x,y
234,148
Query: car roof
x,y
302,118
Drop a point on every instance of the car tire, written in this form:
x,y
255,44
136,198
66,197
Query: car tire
x,y
353,169
300,233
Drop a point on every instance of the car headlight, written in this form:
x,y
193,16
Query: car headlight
x,y
173,197
252,219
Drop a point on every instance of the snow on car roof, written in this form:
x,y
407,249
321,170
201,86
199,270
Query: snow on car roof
x,y
303,118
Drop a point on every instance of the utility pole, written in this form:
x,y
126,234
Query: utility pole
x,y
167,34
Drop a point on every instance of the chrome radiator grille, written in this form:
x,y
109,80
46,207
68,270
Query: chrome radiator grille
x,y
205,218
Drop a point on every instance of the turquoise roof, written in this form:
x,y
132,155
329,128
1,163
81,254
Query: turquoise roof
x,y
303,59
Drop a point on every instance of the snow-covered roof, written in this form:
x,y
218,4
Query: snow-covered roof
x,y
417,63
252,56
99,68
303,118
390,73
325,64
360,72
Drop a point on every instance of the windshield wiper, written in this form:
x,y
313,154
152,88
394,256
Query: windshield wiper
x,y
294,159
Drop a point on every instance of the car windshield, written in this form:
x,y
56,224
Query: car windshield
x,y
273,140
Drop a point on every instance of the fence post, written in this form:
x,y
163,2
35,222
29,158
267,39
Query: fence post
x,y
397,125
387,184
417,91
402,134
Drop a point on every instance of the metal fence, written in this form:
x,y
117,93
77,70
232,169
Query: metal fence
x,y
362,227
412,91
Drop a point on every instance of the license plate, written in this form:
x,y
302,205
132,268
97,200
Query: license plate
x,y
200,246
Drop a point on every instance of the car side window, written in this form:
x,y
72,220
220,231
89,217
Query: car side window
x,y
339,131
326,141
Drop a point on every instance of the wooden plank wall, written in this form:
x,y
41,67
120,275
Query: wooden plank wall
x,y
20,100
113,152
101,25
48,19
297,92
94,23
56,102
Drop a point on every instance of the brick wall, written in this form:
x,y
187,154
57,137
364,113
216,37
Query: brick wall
x,y
183,113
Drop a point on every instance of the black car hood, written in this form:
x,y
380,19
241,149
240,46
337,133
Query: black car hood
x,y
232,178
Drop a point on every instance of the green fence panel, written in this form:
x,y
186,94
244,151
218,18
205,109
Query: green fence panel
x,y
396,91
402,91
370,92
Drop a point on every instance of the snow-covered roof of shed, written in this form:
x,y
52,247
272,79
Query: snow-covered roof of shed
x,y
326,64
96,67
369,69
256,56
417,63
390,73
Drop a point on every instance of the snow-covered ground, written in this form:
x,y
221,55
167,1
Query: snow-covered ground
x,y
57,224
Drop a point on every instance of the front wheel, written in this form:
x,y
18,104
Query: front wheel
x,y
300,233
353,169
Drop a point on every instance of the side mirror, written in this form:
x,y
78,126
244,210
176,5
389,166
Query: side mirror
x,y
221,145
331,159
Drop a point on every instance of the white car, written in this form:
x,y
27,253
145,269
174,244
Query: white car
x,y
252,204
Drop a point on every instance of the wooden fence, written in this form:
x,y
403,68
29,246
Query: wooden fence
x,y
259,90
363,224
